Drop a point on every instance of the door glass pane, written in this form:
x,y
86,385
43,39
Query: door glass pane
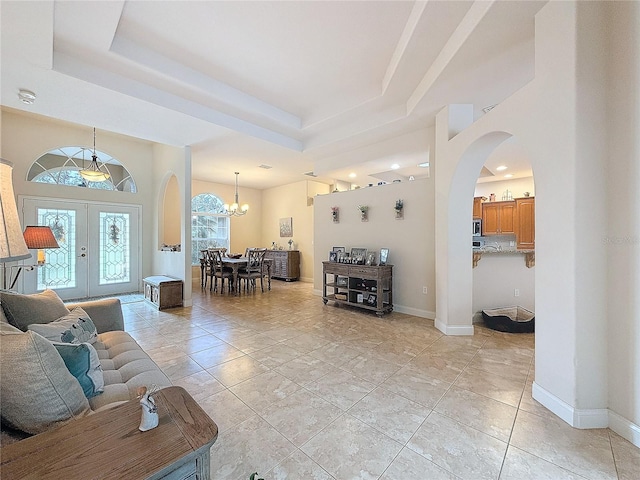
x,y
59,271
114,248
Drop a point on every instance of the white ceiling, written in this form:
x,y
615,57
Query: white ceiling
x,y
299,85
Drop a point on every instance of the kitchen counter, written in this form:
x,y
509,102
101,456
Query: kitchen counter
x,y
529,255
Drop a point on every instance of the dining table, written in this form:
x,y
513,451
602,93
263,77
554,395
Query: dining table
x,y
236,264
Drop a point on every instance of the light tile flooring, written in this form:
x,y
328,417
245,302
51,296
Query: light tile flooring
x,y
302,390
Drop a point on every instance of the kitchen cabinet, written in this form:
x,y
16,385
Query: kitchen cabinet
x,y
498,218
525,223
477,207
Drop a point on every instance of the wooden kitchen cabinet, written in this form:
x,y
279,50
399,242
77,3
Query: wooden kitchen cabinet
x,y
525,223
477,207
499,218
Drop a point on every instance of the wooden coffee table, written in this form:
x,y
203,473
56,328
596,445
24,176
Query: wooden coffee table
x,y
108,445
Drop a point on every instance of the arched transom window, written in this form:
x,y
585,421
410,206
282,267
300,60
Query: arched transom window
x,y
61,166
209,225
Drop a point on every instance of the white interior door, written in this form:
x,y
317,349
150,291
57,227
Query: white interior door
x,y
98,248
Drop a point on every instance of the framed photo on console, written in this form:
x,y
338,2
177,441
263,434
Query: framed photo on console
x,y
384,255
333,256
339,249
372,299
371,258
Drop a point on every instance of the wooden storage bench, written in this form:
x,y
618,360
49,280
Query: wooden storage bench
x,y
163,292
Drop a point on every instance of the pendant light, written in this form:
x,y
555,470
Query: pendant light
x,y
93,173
234,210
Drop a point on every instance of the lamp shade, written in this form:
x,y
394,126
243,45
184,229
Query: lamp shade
x,y
12,244
40,237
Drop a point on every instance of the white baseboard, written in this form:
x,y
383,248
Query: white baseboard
x,y
454,329
414,311
588,418
625,428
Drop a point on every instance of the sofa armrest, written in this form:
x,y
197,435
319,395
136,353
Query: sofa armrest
x,y
106,314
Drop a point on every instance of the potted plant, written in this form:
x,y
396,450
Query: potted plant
x,y
335,213
399,208
364,210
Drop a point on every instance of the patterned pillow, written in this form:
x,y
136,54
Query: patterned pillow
x,y
75,327
83,363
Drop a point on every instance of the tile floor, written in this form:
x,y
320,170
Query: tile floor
x,y
302,390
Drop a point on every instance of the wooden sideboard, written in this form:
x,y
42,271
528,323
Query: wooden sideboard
x,y
108,445
364,286
285,264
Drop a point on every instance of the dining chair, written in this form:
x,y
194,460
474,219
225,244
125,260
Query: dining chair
x,y
253,270
205,267
219,271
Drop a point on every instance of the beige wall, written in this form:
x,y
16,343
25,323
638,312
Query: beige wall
x,y
410,241
291,201
170,233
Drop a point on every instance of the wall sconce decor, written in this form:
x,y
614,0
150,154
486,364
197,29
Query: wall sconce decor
x,y
335,214
399,208
364,213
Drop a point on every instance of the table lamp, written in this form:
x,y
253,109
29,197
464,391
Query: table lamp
x,y
39,238
36,237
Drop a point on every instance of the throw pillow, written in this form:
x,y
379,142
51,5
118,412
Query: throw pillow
x,y
83,363
23,310
74,327
38,392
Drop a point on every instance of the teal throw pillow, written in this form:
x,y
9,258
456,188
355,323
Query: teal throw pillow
x,y
83,363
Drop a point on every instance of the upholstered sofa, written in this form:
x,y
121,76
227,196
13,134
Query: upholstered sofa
x,y
37,390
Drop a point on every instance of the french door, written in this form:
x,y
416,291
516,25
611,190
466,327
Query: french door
x,y
98,252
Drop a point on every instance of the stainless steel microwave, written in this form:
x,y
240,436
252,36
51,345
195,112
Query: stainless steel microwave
x,y
477,227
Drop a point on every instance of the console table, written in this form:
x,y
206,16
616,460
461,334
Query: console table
x,y
286,264
108,445
364,286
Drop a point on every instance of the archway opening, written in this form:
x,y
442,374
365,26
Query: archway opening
x,y
504,206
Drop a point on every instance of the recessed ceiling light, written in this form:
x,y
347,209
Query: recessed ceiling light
x,y
395,166
26,96
501,168
508,175
424,165
352,175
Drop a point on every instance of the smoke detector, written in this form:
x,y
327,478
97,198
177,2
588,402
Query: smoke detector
x,y
26,96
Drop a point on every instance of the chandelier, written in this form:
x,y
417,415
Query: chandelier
x,y
93,173
234,210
